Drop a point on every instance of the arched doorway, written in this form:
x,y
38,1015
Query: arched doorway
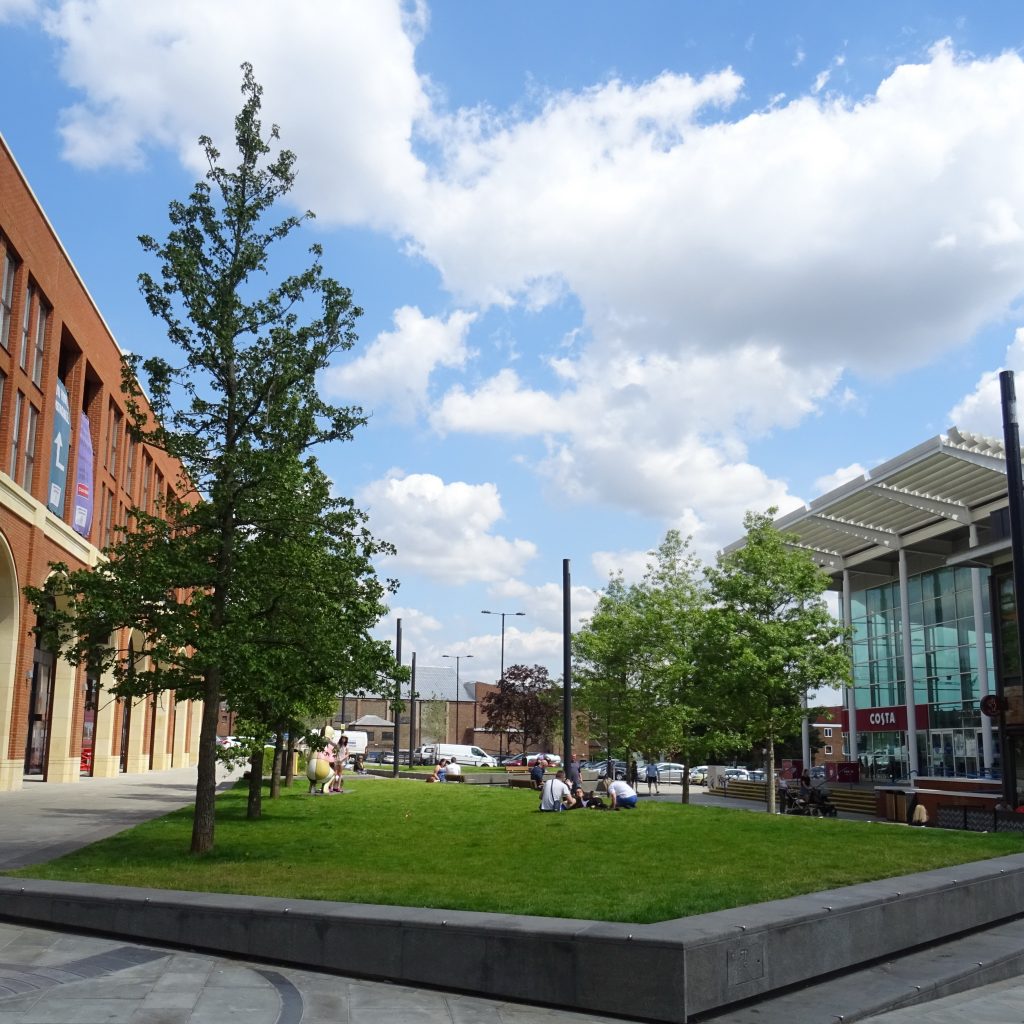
x,y
40,709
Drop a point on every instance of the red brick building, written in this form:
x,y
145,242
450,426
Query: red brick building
x,y
68,474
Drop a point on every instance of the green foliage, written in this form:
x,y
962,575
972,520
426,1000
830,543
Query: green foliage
x,y
255,585
495,834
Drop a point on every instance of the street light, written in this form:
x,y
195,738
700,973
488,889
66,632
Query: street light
x,y
503,615
458,658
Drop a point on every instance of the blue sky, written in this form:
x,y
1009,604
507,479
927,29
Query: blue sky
x,y
623,267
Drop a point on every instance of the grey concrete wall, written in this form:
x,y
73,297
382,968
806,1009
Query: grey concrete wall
x,y
665,972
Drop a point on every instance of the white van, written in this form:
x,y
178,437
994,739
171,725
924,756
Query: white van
x,y
463,753
356,740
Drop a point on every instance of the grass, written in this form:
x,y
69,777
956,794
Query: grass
x,y
486,848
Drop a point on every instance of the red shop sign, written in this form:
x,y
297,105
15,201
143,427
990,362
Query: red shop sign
x,y
891,719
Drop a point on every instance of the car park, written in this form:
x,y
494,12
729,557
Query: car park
x,y
736,774
699,775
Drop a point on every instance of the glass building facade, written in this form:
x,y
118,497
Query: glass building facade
x,y
944,653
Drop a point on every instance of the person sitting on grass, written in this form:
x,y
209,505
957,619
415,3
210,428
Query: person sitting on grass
x,y
622,794
556,796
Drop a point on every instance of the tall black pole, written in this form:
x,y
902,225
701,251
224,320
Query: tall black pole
x,y
1015,493
398,695
566,662
412,710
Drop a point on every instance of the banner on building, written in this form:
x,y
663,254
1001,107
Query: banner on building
x,y
59,450
81,520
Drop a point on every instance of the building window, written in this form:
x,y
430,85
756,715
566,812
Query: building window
x,y
387,737
129,464
31,435
108,516
828,750
147,473
10,271
19,404
42,318
3,391
26,323
115,433
828,734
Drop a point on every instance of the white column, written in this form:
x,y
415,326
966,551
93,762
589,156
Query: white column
x,y
908,668
851,693
982,655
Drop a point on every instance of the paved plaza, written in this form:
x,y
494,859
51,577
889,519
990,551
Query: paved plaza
x,y
53,977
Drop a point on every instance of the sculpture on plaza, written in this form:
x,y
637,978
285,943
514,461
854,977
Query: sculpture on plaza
x,y
320,765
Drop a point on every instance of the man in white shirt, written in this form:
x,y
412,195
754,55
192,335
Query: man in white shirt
x,y
622,794
556,796
454,771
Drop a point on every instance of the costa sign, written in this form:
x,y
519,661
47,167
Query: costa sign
x,y
891,719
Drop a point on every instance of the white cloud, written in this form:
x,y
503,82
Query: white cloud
x,y
17,10
444,529
543,603
339,75
894,230
631,564
980,412
838,477
395,369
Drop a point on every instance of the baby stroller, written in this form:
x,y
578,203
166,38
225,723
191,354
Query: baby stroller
x,y
819,803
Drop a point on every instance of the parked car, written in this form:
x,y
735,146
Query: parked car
x,y
374,757
519,760
736,774
668,771
699,775
755,775
620,768
818,771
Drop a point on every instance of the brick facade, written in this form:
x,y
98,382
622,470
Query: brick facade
x,y
53,721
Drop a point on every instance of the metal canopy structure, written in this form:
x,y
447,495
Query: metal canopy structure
x,y
934,502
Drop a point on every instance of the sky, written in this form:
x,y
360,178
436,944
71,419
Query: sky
x,y
623,268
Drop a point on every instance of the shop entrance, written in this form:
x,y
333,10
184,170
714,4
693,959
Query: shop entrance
x,y
40,707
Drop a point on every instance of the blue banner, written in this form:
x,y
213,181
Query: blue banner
x,y
81,521
59,450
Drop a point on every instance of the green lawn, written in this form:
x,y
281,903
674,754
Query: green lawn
x,y
486,848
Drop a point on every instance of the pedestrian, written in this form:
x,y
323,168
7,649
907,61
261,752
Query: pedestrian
x,y
651,774
622,794
572,773
537,773
556,795
632,773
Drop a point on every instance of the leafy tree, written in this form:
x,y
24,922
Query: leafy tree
x,y
526,702
769,637
636,660
240,409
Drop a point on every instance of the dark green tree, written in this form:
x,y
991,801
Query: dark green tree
x,y
238,402
525,704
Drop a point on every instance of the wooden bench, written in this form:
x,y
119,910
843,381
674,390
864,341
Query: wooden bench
x,y
519,776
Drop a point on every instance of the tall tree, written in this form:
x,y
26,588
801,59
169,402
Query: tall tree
x,y
240,398
525,703
769,637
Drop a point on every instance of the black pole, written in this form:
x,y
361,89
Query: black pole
x,y
1015,493
398,695
412,710
566,662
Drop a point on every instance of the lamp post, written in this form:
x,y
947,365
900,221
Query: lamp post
x,y
458,658
503,615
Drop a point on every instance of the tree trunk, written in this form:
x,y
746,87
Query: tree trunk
x,y
686,784
275,770
289,773
254,808
769,775
206,775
